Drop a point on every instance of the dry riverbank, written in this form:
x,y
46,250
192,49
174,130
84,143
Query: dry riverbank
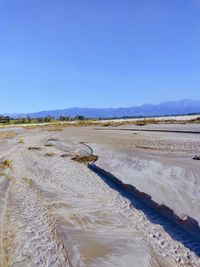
x,y
56,211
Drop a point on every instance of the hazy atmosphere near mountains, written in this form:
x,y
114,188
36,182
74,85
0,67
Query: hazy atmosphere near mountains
x,y
62,54
99,133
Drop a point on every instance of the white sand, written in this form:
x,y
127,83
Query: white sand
x,y
63,214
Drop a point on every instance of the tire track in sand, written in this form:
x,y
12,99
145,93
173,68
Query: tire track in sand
x,y
29,233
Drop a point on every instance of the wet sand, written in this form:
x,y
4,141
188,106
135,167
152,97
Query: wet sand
x,y
55,211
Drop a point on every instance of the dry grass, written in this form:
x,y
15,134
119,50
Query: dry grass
x,y
140,123
34,148
21,141
197,120
8,177
47,127
49,154
7,134
129,122
6,164
54,127
28,181
49,145
86,123
85,159
59,126
30,127
109,124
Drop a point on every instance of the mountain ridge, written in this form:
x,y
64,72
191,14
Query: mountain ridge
x,y
181,107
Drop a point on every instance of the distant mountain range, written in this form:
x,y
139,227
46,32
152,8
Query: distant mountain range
x,y
185,106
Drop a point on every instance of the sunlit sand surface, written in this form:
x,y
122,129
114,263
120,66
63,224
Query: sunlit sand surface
x,y
56,211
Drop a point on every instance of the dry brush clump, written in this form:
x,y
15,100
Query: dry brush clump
x,y
21,141
28,181
109,124
34,148
49,154
49,144
196,120
6,164
85,159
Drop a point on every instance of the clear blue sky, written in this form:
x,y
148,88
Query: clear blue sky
x,y
97,53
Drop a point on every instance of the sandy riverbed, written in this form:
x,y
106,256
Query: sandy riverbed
x,y
57,212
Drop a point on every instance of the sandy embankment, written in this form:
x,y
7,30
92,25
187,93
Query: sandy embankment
x,y
57,212
159,164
